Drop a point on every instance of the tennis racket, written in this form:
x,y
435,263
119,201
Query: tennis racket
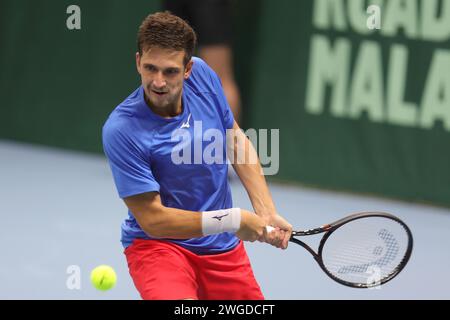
x,y
362,250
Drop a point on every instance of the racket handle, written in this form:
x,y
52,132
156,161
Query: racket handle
x,y
269,229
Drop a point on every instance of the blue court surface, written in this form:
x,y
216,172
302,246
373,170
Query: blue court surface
x,y
59,210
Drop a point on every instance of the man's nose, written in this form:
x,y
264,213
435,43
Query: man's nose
x,y
159,81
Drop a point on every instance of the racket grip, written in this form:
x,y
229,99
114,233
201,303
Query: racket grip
x,y
269,229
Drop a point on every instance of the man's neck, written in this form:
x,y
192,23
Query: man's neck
x,y
167,112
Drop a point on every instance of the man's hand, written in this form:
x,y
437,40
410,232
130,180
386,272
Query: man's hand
x,y
280,236
252,226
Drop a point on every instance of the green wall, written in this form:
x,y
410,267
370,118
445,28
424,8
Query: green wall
x,y
57,86
357,109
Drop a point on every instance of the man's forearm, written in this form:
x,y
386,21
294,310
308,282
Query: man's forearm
x,y
165,222
173,223
252,177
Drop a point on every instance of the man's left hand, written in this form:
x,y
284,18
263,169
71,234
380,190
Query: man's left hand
x,y
279,237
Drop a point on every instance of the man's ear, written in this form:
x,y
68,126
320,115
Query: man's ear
x,y
138,62
188,71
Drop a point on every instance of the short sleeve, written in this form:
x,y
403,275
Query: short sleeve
x,y
214,84
224,106
130,167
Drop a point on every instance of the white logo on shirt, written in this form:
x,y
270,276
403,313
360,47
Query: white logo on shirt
x,y
186,124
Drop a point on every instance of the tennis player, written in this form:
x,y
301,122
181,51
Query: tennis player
x,y
183,238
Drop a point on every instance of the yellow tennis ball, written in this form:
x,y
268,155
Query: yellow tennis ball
x,y
103,277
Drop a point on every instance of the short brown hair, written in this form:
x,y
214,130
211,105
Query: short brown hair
x,y
167,31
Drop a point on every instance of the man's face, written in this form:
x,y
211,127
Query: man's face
x,y
162,73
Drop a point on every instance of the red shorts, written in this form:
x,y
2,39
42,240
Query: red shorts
x,y
162,270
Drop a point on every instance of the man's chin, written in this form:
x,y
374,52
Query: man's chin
x,y
158,105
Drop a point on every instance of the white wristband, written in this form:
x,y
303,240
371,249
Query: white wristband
x,y
218,221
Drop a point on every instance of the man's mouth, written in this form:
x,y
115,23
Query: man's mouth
x,y
159,93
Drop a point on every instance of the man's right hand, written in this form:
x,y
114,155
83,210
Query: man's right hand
x,y
252,226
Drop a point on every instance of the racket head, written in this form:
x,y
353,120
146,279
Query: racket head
x,y
366,249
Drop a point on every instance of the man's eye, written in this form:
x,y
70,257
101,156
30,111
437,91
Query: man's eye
x,y
151,68
171,71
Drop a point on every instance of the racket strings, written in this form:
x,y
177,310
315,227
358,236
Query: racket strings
x,y
392,249
365,251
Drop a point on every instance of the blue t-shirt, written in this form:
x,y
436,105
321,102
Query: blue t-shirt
x,y
141,147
